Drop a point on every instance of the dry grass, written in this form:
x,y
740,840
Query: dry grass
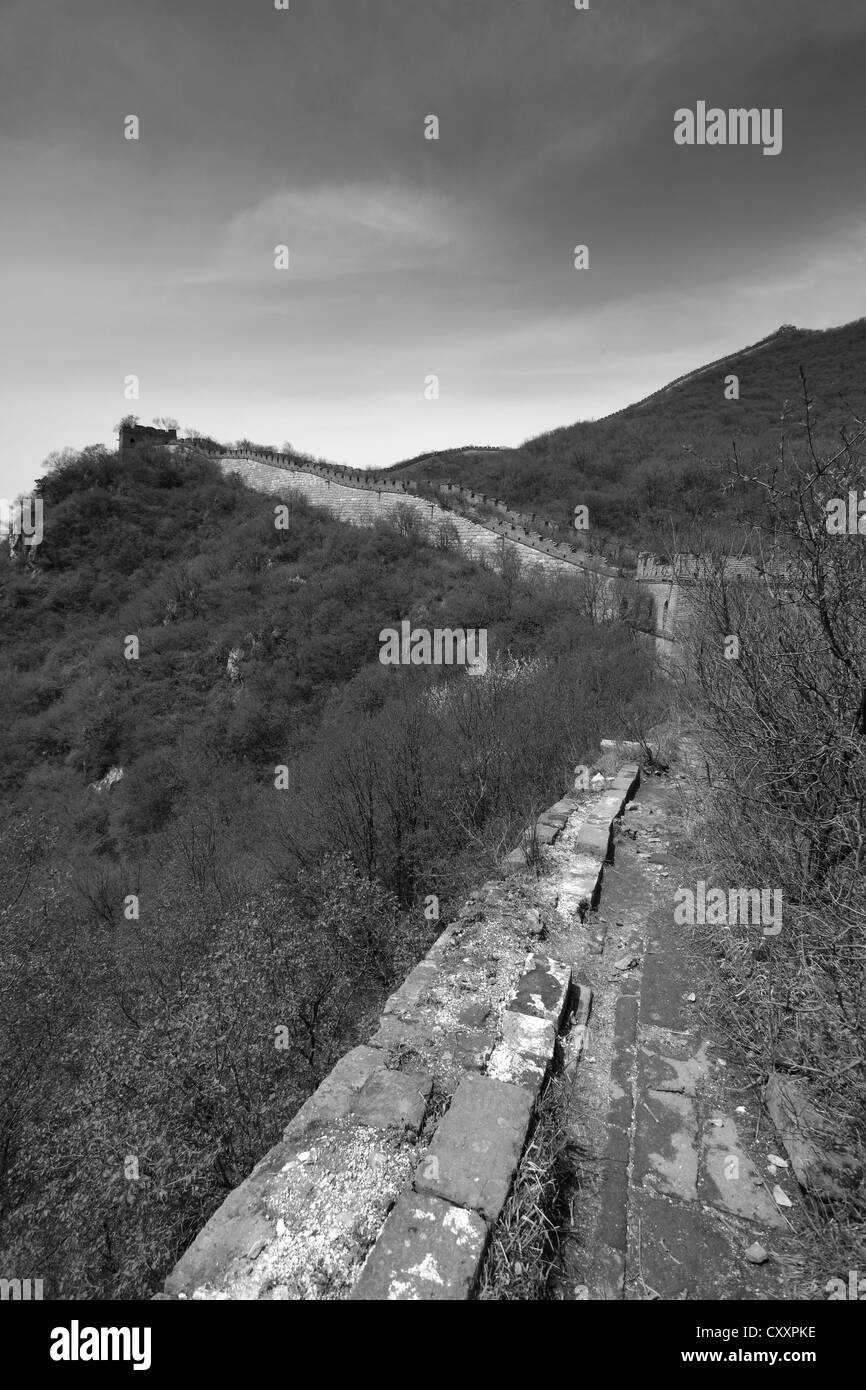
x,y
522,1260
795,1004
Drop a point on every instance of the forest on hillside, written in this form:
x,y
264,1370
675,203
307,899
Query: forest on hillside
x,y
258,872
662,476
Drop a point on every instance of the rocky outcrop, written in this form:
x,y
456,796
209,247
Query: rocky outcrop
x,y
114,774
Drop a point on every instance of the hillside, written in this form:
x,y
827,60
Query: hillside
x,y
660,463
287,804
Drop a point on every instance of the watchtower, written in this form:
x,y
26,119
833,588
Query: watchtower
x,y
138,436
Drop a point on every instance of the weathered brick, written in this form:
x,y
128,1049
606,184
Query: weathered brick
x,y
630,770
335,1095
428,1249
529,1033
416,984
525,1052
581,884
520,1068
396,1098
477,1145
398,1032
542,989
594,839
565,807
468,1047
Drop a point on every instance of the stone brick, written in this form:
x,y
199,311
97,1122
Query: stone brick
x,y
397,1098
620,1109
335,1095
477,1145
593,838
267,1233
525,1051
613,1206
732,1182
428,1249
519,1068
665,1156
581,885
474,1015
529,1033
625,1020
542,989
607,808
468,1047
416,984
441,944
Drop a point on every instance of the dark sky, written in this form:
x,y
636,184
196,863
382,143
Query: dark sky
x,y
409,257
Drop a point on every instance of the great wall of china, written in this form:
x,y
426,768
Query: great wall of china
x,y
359,499
389,1181
395,1180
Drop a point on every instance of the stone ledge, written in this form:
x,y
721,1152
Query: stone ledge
x,y
300,1225
428,1249
595,836
361,1113
477,1146
595,839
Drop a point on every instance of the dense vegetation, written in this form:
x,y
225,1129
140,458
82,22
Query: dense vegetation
x,y
783,730
186,951
655,470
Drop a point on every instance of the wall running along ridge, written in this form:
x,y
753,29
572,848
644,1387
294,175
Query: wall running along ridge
x,y
389,1180
356,499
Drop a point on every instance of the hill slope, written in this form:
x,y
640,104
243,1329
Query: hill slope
x,y
259,871
662,460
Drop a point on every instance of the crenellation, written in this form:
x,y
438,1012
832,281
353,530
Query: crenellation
x,y
363,498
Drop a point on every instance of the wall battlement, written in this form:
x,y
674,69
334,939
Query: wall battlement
x,y
357,498
364,497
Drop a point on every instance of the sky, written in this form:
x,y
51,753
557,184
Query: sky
x,y
408,257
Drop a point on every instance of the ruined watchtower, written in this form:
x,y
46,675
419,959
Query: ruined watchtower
x,y
138,436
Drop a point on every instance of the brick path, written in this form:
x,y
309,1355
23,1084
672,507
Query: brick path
x,y
675,1184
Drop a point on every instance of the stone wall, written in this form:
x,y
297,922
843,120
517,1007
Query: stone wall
x,y
363,497
139,436
357,500
389,1180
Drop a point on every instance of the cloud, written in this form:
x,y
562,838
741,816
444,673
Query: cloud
x,y
335,231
